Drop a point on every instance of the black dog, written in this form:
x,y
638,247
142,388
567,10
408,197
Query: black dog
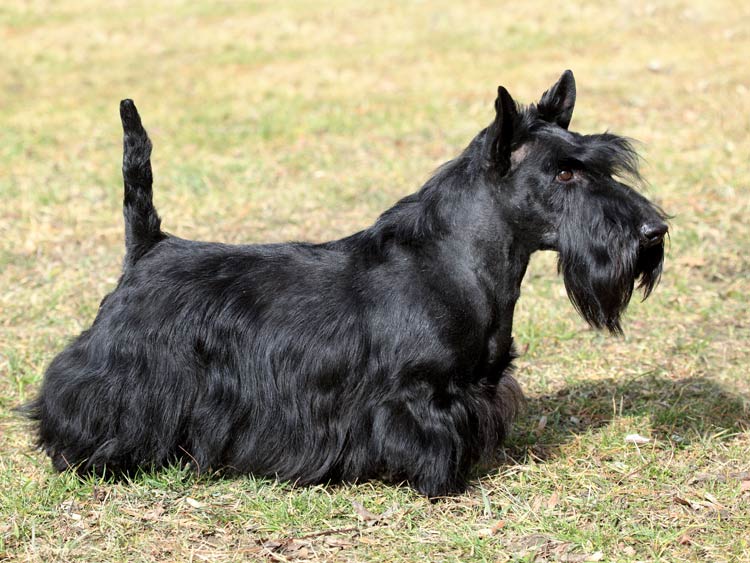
x,y
386,354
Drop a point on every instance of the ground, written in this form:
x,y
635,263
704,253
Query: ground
x,y
275,121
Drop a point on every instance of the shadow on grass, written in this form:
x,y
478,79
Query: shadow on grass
x,y
680,411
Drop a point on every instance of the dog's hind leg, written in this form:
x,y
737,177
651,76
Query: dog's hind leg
x,y
419,448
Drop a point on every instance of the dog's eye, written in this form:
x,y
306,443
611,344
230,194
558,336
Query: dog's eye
x,y
565,175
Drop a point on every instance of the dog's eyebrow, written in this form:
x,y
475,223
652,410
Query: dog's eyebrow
x,y
559,133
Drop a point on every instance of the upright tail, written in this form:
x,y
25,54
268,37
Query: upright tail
x,y
142,223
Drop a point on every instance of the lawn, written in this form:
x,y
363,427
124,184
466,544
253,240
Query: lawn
x,y
277,121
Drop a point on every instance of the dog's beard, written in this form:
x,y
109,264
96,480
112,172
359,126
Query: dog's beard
x,y
648,268
600,275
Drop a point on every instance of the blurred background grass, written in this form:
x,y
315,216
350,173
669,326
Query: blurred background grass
x,y
287,120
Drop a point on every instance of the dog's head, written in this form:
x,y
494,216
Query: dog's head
x,y
575,194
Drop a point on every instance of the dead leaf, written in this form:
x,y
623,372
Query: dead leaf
x,y
685,539
637,439
531,543
338,542
194,503
714,501
390,512
688,503
491,531
69,509
553,500
581,557
499,525
73,515
364,514
745,486
99,494
272,544
153,514
719,478
368,541
541,425
700,477
297,547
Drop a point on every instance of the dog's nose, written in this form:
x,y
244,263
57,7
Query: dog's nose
x,y
653,233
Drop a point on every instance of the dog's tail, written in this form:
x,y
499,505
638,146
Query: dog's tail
x,y
142,223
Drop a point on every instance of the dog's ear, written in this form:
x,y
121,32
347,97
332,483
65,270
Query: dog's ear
x,y
497,140
557,103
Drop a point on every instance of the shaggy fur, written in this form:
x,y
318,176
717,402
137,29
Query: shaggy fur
x,y
386,354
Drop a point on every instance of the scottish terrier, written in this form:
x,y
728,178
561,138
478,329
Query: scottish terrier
x,y
384,355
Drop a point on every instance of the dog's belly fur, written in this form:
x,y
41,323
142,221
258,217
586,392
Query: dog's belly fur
x,y
234,357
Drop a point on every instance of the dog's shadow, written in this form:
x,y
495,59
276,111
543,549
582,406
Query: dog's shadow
x,y
678,411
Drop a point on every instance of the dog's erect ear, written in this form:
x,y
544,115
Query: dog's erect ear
x,y
497,140
557,103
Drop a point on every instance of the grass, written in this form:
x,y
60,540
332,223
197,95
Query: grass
x,y
294,120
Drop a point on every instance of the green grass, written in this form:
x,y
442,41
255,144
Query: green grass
x,y
297,120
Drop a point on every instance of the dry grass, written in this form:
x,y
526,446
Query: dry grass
x,y
287,120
